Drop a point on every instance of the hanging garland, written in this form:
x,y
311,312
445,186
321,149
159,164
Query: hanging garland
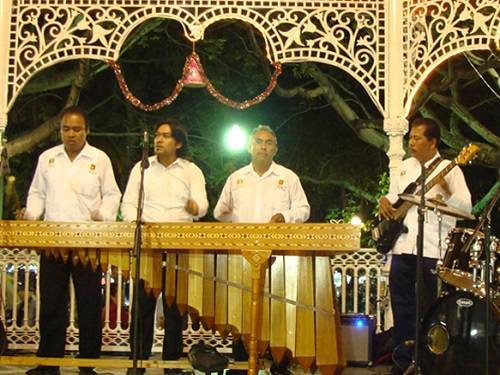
x,y
192,60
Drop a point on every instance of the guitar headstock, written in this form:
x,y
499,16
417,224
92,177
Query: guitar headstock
x,y
468,153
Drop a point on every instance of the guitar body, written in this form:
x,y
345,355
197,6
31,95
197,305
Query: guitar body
x,y
386,232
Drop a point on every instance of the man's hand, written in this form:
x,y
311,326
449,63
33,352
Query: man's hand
x,y
277,218
385,209
192,207
20,213
96,216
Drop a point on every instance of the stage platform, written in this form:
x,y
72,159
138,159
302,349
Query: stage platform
x,y
20,370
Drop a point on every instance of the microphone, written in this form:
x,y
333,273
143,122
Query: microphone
x,y
145,151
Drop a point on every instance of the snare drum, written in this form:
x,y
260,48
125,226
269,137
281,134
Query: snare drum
x,y
464,265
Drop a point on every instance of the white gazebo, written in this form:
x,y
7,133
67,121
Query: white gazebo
x,y
388,46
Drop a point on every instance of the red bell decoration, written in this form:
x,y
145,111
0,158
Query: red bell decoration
x,y
193,74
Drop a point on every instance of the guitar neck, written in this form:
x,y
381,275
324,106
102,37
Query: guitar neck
x,y
402,210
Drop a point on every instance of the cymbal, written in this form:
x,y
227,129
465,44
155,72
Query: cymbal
x,y
437,204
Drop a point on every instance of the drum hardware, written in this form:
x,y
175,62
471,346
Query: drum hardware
x,y
465,328
457,331
439,205
435,204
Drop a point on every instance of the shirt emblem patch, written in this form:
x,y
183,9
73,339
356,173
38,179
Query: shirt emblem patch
x,y
239,181
281,182
403,173
51,162
92,167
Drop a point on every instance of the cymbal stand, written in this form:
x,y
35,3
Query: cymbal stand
x,y
439,263
486,221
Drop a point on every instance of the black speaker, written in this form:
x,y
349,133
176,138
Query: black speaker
x,y
357,336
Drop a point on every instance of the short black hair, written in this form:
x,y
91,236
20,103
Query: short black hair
x,y
432,130
179,133
75,110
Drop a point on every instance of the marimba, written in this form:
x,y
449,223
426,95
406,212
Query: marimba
x,y
225,274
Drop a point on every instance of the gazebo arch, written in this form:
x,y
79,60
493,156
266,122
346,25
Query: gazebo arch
x,y
389,46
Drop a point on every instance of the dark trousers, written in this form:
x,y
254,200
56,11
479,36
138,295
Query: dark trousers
x,y
54,300
172,342
402,286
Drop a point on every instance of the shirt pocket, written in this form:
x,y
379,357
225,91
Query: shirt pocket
x,y
240,195
280,198
88,185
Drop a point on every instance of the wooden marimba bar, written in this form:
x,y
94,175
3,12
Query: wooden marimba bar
x,y
255,242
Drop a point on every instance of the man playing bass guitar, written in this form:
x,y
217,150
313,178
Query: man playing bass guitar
x,y
423,143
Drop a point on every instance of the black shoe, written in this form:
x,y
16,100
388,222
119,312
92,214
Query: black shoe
x,y
137,371
40,370
396,370
87,371
175,371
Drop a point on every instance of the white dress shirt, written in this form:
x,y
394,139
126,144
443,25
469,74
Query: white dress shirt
x,y
166,192
65,190
250,198
408,172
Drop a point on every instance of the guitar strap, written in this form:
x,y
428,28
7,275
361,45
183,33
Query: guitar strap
x,y
429,170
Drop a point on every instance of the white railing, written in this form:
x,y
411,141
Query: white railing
x,y
359,280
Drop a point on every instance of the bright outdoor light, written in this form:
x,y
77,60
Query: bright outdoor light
x,y
356,220
236,138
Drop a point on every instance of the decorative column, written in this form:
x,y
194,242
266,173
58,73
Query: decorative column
x,y
396,129
395,125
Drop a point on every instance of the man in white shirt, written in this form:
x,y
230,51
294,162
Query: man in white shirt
x,y
262,192
423,142
73,182
174,191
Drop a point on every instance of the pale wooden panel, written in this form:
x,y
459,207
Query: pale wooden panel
x,y
266,318
157,273
329,358
195,282
208,311
170,278
291,277
305,337
147,269
221,294
278,310
182,283
234,295
246,297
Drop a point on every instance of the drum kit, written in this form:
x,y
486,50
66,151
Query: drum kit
x,y
461,331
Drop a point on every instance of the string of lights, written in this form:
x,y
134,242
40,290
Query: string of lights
x,y
193,75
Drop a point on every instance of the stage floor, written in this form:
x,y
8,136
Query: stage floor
x,y
20,370
7,369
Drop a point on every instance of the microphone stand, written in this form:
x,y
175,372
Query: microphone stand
x,y
136,253
418,281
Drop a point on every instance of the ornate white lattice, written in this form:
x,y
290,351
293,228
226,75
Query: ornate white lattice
x,y
437,29
350,34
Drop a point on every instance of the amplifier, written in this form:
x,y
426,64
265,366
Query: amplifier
x,y
357,335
